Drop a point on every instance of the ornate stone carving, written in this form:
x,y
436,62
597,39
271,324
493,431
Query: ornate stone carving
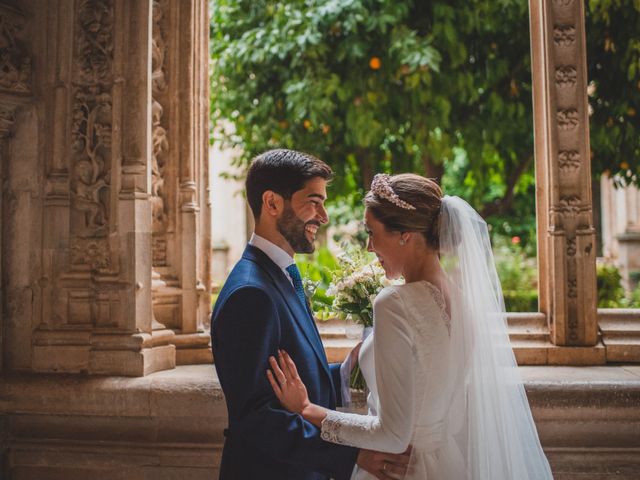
x,y
569,204
572,290
159,250
94,41
568,160
566,76
568,119
15,65
160,147
160,137
91,125
564,35
91,252
6,120
565,235
91,130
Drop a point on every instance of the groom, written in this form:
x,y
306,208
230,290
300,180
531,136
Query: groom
x,y
262,308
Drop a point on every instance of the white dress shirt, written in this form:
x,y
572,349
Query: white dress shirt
x,y
281,258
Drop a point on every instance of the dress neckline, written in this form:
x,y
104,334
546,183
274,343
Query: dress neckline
x,y
439,298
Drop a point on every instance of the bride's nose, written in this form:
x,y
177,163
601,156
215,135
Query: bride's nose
x,y
369,245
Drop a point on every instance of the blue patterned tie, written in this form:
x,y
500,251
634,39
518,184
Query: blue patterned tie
x,y
294,273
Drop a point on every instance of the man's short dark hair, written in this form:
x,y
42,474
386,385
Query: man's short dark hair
x,y
282,171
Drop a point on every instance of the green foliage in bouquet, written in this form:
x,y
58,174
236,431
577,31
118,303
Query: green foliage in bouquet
x,y
355,286
344,287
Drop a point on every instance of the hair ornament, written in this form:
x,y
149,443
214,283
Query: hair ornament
x,y
381,187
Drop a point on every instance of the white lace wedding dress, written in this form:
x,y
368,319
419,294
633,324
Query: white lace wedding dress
x,y
411,374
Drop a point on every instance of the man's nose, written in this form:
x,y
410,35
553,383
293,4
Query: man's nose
x,y
322,215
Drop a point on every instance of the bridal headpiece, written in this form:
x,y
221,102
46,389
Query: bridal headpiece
x,y
381,187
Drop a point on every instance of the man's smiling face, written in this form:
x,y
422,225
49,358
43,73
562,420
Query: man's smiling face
x,y
303,214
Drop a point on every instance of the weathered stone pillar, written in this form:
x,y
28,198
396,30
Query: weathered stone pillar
x,y
181,227
16,89
105,201
566,237
96,314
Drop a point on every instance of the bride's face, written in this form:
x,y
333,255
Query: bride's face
x,y
386,246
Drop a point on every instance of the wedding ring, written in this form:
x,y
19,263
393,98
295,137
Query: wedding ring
x,y
384,467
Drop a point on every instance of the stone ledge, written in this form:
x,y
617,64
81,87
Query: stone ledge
x,y
169,424
529,334
156,395
196,389
620,330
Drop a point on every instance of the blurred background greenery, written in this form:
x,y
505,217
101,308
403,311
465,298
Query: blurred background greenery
x,y
440,88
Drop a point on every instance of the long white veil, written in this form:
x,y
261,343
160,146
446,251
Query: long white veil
x,y
489,418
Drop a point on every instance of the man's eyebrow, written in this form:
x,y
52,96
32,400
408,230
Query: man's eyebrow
x,y
317,195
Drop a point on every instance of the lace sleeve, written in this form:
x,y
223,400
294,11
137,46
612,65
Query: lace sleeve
x,y
391,430
354,425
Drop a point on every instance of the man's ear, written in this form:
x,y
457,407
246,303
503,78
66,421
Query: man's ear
x,y
272,203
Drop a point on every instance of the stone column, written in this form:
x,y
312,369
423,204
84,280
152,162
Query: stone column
x,y
180,177
96,315
2,179
112,161
16,88
566,237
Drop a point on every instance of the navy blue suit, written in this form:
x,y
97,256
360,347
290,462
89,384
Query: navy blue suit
x,y
258,312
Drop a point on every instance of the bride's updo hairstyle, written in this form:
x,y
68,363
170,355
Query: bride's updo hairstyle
x,y
407,203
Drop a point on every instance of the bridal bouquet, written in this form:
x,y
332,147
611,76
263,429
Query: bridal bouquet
x,y
354,288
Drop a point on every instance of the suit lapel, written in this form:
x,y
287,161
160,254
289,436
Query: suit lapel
x,y
299,312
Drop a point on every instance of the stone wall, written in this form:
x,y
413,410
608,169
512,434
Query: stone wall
x,y
168,425
105,206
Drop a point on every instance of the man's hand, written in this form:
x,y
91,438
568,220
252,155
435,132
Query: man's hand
x,y
385,466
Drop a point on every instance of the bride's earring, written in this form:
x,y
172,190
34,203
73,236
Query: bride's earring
x,y
402,242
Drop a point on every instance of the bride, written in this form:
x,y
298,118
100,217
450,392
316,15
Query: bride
x,y
441,373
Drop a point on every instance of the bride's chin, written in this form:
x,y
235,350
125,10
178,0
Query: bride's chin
x,y
391,275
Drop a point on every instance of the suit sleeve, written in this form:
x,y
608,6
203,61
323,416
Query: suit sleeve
x,y
246,333
336,378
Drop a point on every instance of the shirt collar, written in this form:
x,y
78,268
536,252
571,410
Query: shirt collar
x,y
274,252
